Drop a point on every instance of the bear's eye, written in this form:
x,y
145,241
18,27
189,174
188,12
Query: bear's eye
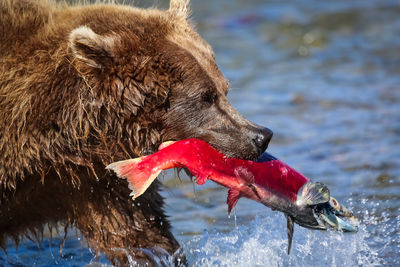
x,y
209,97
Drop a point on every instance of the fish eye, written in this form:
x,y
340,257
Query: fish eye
x,y
334,202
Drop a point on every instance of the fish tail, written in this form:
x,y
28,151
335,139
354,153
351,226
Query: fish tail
x,y
138,179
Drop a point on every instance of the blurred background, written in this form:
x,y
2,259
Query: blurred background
x,y
325,77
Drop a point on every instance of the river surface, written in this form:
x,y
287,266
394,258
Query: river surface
x,y
325,77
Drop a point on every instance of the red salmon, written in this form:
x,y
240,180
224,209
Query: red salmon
x,y
269,181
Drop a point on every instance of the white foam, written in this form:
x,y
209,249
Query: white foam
x,y
264,243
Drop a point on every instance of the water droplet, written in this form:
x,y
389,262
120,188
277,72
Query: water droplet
x,y
194,191
309,37
284,171
303,51
234,216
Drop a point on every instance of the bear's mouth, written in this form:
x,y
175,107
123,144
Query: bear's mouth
x,y
229,153
238,154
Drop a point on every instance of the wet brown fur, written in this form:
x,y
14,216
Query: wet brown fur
x,y
82,86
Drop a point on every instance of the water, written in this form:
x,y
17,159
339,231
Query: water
x,y
324,76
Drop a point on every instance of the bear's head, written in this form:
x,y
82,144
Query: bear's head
x,y
151,78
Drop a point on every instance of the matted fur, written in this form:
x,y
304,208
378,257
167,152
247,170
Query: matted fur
x,y
82,86
76,123
62,122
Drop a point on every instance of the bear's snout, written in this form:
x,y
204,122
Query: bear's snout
x,y
261,139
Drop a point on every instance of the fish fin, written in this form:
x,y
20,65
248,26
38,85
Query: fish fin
x,y
254,189
243,173
120,167
165,144
289,230
201,179
138,180
233,197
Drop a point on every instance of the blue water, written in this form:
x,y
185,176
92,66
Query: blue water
x,y
324,76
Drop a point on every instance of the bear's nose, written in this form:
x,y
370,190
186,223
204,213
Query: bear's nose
x,y
262,138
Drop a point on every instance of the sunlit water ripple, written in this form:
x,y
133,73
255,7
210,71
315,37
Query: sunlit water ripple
x,y
324,76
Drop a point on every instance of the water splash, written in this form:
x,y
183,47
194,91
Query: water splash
x,y
156,256
263,243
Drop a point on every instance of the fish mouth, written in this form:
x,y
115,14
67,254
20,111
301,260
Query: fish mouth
x,y
316,209
329,216
327,211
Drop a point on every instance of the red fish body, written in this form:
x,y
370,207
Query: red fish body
x,y
272,182
269,181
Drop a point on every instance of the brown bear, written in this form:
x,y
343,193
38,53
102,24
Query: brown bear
x,y
82,86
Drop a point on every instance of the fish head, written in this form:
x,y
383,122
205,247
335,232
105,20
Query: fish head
x,y
316,209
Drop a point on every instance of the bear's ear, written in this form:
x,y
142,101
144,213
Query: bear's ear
x,y
180,8
93,49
